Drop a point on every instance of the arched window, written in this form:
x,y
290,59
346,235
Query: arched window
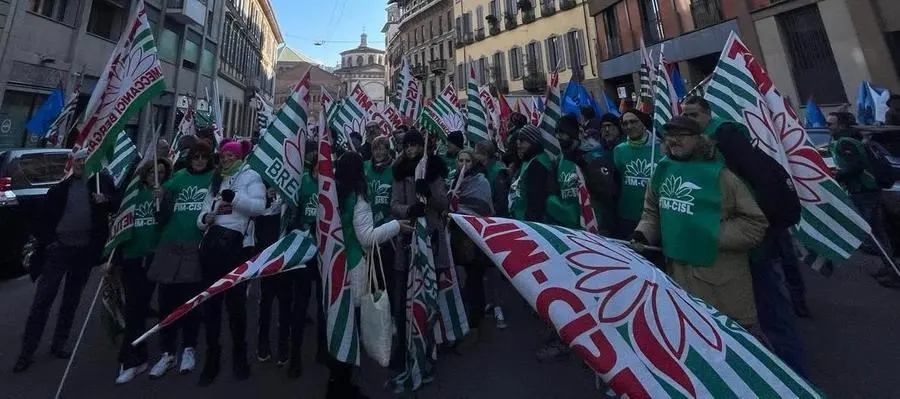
x,y
371,59
359,60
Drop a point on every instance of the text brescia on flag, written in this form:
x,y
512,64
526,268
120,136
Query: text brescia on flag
x,y
639,331
278,155
341,329
131,78
290,252
741,90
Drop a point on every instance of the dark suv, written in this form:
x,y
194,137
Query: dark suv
x,y
25,176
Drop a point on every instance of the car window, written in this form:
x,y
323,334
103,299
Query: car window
x,y
41,168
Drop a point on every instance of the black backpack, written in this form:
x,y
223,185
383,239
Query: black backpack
x,y
879,165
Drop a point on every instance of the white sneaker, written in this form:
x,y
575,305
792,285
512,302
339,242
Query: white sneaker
x,y
498,315
126,375
165,363
188,361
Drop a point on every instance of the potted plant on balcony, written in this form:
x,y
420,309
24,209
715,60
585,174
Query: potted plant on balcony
x,y
548,8
527,11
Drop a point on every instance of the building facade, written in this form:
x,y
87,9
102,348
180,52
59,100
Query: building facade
x,y
425,36
251,38
291,66
516,45
363,66
811,48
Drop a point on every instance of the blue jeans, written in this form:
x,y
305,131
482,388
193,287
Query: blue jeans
x,y
773,306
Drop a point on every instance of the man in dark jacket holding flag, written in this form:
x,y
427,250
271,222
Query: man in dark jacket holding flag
x,y
73,230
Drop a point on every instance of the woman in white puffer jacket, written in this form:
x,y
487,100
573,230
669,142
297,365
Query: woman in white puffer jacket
x,y
237,194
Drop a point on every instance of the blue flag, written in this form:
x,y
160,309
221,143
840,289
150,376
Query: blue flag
x,y
611,106
871,104
814,115
678,83
46,114
575,97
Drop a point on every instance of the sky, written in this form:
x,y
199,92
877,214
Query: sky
x,y
335,23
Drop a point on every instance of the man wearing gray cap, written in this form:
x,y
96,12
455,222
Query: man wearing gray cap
x,y
73,228
706,220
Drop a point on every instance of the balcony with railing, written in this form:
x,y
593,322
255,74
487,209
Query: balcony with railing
x,y
479,34
187,11
534,81
420,71
567,4
438,67
510,20
548,8
528,16
706,13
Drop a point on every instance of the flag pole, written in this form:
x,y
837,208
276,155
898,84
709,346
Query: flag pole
x,y
87,319
884,253
662,47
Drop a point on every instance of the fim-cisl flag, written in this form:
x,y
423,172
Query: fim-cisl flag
x,y
131,78
129,211
550,117
742,90
421,306
291,252
638,330
278,155
341,330
409,92
123,156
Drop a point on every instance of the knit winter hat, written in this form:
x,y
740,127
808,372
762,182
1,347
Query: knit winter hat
x,y
568,125
456,138
530,133
413,137
234,148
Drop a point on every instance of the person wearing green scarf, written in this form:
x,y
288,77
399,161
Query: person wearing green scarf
x,y
635,160
380,176
706,220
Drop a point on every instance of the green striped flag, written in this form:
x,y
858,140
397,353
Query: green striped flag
x,y
291,252
742,90
132,77
645,336
647,76
550,117
350,115
421,307
476,126
123,156
341,327
121,229
442,114
278,157
665,101
453,324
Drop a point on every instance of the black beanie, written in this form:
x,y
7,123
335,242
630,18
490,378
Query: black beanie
x,y
456,138
413,137
568,125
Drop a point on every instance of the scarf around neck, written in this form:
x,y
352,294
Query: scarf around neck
x,y
228,172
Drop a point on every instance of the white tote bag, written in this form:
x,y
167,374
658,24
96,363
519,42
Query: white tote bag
x,y
375,313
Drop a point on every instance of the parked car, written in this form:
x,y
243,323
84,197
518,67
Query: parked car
x,y
25,176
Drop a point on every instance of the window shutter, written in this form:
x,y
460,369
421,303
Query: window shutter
x,y
540,62
549,48
581,57
520,61
502,67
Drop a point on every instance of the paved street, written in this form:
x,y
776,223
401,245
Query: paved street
x,y
852,342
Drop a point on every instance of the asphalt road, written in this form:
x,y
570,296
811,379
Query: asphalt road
x,y
853,342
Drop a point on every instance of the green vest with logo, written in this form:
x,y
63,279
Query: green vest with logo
x,y
517,202
189,192
564,207
690,209
452,168
634,166
144,234
866,179
309,201
352,248
379,192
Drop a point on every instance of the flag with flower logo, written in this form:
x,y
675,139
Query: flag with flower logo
x,y
409,93
421,306
638,330
341,330
742,90
278,156
291,252
132,77
122,226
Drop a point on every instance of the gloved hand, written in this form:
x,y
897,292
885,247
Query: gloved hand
x,y
416,211
227,195
638,242
422,188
